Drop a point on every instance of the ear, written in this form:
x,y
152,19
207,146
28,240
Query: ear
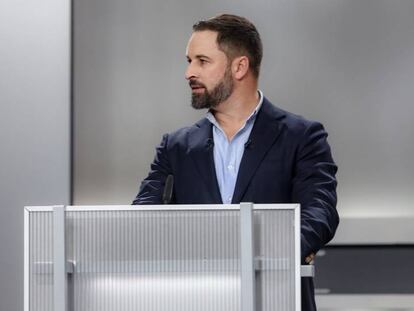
x,y
240,67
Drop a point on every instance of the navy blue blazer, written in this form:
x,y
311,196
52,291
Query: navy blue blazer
x,y
288,160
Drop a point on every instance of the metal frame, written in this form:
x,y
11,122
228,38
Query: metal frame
x,y
247,269
214,207
298,293
26,259
59,260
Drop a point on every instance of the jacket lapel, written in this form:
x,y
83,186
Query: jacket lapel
x,y
266,130
200,150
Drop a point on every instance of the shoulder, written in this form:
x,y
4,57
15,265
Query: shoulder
x,y
295,130
180,138
293,124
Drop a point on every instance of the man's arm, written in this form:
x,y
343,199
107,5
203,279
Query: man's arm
x,y
152,187
314,187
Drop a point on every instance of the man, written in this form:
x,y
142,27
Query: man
x,y
245,149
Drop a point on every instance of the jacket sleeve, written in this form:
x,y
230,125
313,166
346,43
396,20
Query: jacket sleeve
x,y
152,187
314,187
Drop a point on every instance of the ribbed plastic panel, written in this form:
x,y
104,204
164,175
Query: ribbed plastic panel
x,y
275,249
40,261
151,260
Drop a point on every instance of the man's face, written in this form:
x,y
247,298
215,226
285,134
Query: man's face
x,y
208,72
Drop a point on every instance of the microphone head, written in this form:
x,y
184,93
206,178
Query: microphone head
x,y
248,144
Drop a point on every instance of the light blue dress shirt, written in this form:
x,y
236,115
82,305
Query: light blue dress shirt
x,y
228,154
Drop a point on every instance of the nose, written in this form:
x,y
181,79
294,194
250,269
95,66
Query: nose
x,y
190,72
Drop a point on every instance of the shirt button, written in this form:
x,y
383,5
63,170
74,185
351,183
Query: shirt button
x,y
230,167
229,199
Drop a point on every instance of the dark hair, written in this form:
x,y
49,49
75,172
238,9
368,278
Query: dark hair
x,y
236,36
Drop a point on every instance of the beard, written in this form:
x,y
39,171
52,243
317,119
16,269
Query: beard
x,y
211,99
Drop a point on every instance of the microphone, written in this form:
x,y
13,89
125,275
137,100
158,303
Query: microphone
x,y
248,144
209,143
168,190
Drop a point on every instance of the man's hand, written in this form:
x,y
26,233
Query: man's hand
x,y
310,258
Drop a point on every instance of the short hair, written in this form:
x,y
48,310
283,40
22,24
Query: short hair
x,y
236,36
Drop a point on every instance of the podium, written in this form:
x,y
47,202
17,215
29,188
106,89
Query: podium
x,y
163,257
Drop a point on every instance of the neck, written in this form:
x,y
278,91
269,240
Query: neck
x,y
238,107
233,113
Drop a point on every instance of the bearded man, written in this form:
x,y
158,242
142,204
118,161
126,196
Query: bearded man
x,y
245,149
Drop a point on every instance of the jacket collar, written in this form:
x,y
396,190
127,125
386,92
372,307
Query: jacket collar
x,y
200,149
266,130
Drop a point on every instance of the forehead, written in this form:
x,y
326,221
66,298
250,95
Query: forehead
x,y
203,43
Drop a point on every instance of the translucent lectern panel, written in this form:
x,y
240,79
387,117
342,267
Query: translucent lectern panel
x,y
275,257
40,261
158,260
155,260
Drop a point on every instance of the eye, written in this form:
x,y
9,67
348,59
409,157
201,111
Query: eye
x,y
203,61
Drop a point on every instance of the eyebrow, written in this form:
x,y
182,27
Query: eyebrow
x,y
198,56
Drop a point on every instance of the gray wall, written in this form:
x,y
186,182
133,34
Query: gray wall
x,y
34,118
348,64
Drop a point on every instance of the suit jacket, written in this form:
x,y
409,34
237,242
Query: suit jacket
x,y
288,160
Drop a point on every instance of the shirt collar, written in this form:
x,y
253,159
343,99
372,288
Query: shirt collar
x,y
251,117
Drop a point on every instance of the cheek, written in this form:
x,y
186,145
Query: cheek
x,y
214,77
218,73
